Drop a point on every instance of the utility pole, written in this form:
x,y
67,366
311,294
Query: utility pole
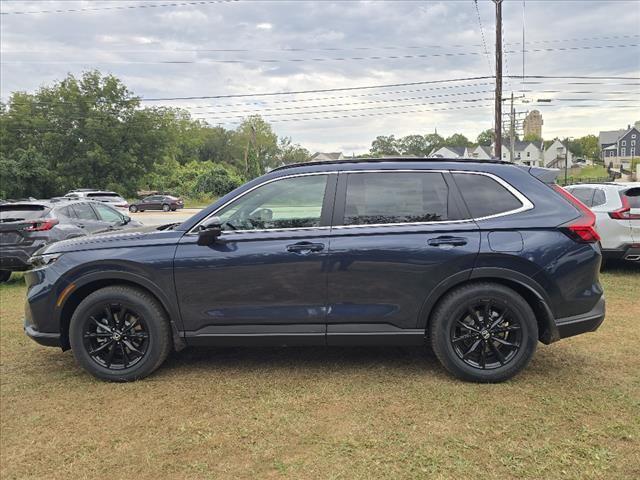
x,y
498,99
512,131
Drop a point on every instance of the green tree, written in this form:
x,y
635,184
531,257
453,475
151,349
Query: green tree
x,y
384,146
288,152
414,145
457,140
258,144
486,137
532,137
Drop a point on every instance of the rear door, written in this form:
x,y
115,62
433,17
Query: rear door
x,y
396,236
87,219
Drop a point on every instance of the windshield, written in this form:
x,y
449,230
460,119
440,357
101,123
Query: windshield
x,y
14,213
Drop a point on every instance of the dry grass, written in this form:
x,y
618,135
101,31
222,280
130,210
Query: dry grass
x,y
327,413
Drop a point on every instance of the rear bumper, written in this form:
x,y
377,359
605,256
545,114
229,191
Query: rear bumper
x,y
583,323
46,339
16,259
625,252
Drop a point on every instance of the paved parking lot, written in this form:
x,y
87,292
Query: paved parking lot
x,y
160,218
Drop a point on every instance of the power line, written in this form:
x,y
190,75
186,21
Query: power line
x,y
484,42
205,61
320,90
120,7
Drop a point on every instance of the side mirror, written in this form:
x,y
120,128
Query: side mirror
x,y
209,231
126,219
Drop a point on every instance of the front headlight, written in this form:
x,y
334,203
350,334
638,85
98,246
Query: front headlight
x,y
39,261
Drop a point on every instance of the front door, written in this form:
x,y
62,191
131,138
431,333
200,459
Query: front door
x,y
264,281
396,236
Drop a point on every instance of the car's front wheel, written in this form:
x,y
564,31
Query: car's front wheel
x,y
484,332
120,333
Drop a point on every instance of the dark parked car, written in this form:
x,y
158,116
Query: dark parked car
x,y
27,226
479,259
157,202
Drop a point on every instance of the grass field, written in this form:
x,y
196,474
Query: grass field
x,y
352,413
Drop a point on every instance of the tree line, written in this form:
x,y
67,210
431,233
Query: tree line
x,y
92,131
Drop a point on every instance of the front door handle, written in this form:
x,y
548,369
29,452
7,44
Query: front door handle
x,y
451,241
305,247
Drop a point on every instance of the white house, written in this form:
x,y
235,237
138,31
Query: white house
x,y
524,153
480,152
449,152
326,156
556,154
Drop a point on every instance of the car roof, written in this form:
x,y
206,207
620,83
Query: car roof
x,y
414,160
618,185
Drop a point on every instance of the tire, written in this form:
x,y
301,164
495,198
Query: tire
x,y
133,209
101,342
478,351
5,275
173,209
166,208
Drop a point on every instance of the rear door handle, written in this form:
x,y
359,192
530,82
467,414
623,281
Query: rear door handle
x,y
305,247
452,241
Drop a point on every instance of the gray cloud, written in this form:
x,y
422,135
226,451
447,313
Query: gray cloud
x,y
40,48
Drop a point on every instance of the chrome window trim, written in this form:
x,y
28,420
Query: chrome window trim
x,y
526,203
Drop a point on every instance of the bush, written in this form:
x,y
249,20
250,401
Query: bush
x,y
217,180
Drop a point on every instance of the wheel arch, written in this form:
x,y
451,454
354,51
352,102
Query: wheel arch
x,y
89,285
523,285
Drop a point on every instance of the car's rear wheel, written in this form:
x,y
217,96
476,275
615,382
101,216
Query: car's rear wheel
x,y
166,208
5,275
484,332
133,209
120,334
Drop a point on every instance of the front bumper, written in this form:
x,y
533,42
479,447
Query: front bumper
x,y
583,323
46,339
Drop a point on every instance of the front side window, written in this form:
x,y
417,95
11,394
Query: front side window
x,y
485,196
395,197
287,203
107,214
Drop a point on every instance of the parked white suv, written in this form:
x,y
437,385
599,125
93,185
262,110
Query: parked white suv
x,y
110,198
617,209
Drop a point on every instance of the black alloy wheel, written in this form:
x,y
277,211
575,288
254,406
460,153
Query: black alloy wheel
x,y
487,336
120,333
483,332
115,336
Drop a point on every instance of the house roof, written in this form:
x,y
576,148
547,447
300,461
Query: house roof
x,y
328,155
485,149
611,136
457,150
519,145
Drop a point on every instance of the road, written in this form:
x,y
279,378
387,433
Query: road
x,y
160,218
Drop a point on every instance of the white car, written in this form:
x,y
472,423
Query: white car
x,y
110,198
617,210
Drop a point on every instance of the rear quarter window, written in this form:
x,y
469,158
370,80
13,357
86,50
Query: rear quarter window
x,y
633,197
484,196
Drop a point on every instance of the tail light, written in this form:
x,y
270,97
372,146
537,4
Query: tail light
x,y
624,213
42,225
581,229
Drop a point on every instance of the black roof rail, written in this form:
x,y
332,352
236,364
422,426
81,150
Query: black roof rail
x,y
391,159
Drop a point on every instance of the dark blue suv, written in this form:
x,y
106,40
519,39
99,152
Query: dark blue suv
x,y
480,259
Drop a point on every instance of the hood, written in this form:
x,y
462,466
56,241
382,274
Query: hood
x,y
131,238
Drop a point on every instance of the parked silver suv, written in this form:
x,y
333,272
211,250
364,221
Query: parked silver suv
x,y
617,209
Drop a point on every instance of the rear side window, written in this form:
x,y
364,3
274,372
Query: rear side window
x,y
14,213
633,197
599,198
395,197
584,194
484,196
84,211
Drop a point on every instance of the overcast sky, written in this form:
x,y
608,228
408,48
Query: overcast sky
x,y
227,48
